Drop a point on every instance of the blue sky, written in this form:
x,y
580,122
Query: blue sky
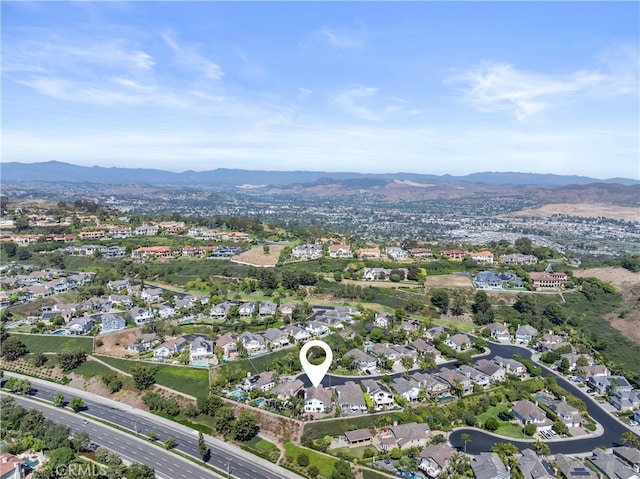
x,y
422,87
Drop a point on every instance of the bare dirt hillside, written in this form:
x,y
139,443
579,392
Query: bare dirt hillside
x,y
628,284
589,210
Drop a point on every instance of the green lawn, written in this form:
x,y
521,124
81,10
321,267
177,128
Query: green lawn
x,y
91,368
369,474
493,412
192,381
263,448
460,326
352,451
52,344
337,427
511,430
323,463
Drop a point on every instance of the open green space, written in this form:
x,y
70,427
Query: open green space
x,y
324,463
493,412
337,427
350,451
369,474
511,430
48,343
191,381
90,369
262,448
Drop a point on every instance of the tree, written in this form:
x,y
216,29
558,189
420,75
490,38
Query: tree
x,y
530,429
13,348
564,365
491,424
170,443
202,446
303,459
481,308
60,457
140,471
466,438
313,471
541,448
630,439
69,360
560,427
10,249
459,303
440,299
523,245
223,420
39,359
245,427
76,404
342,470
80,441
143,376
554,313
582,361
59,400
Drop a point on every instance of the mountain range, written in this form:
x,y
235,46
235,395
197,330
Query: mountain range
x,y
55,171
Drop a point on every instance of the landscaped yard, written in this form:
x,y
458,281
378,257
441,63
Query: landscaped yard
x,y
512,430
323,463
263,448
52,344
493,412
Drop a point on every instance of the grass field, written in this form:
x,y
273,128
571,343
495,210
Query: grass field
x,y
337,427
256,365
263,448
52,344
448,281
191,381
493,412
369,474
90,369
461,326
323,463
511,430
352,451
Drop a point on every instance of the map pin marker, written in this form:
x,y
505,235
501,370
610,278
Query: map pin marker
x,y
314,372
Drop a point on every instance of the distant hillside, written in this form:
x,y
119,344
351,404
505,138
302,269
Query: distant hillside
x,y
55,171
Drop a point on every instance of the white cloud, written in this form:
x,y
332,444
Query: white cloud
x,y
363,102
501,87
189,56
342,40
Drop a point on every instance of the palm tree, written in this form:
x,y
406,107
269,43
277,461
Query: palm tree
x,y
466,438
630,439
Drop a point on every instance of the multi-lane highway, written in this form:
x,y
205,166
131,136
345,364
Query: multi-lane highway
x,y
224,456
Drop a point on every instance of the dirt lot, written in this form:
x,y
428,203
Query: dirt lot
x,y
115,344
448,281
257,257
628,284
590,210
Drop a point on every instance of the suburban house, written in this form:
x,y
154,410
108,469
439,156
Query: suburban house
x,y
453,254
421,252
458,342
253,343
221,310
422,347
511,366
382,320
227,343
316,328
363,360
170,347
612,466
368,253
11,466
491,369
488,465
604,384
409,390
351,398
110,322
151,295
533,467
142,343
262,382
435,388
398,254
568,414
484,257
529,413
475,375
340,251
288,389
629,455
573,468
140,315
297,333
267,308
286,309
80,325
200,348
434,459
307,251
247,309
587,372
317,399
518,259
275,338
499,332
525,334
358,437
404,436
379,394
548,280
165,311
454,379
626,400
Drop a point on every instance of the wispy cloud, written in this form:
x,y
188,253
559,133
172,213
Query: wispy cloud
x,y
188,55
496,87
365,103
342,39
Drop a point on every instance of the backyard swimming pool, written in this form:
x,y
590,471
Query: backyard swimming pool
x,y
202,364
